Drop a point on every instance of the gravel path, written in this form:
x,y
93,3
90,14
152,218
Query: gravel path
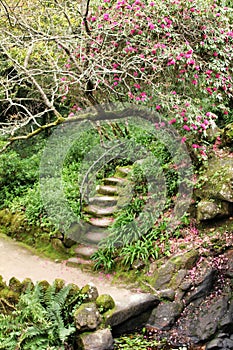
x,y
19,262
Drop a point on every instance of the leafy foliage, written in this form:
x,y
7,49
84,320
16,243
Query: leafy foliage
x,y
42,319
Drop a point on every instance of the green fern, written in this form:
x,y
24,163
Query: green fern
x,y
38,322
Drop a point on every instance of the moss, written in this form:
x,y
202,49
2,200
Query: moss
x,y
105,302
44,285
2,283
15,285
27,284
90,291
59,283
9,295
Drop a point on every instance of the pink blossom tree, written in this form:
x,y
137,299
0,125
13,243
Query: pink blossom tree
x,y
172,56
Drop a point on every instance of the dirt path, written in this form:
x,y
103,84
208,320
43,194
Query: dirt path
x,y
19,262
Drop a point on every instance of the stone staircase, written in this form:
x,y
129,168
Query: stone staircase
x,y
99,213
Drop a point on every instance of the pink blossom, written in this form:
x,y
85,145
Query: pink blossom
x,y
186,127
158,107
171,62
152,4
151,26
218,14
215,54
137,86
225,112
183,139
185,119
194,82
93,18
106,16
71,114
172,121
191,62
194,145
173,92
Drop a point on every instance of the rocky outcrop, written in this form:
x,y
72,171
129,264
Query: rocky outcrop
x,y
202,310
215,197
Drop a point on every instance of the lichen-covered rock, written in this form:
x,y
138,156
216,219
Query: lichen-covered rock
x,y
90,291
105,302
167,276
218,180
87,317
99,340
210,209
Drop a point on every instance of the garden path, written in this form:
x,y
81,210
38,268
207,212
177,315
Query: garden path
x,y
21,263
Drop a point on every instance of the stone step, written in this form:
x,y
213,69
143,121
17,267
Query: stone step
x,y
104,201
101,222
78,262
114,181
85,251
100,212
123,171
94,237
106,189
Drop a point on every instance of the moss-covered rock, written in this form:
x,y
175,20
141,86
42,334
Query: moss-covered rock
x,y
164,277
15,285
210,209
44,285
217,181
59,284
90,291
105,302
87,317
27,284
2,283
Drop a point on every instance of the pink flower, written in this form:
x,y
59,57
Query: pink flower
x,y
173,92
171,62
194,82
185,119
191,62
151,26
137,86
152,4
225,112
158,107
106,16
183,139
218,15
172,121
93,18
215,54
186,127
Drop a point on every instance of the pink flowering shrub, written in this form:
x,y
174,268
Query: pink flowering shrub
x,y
172,56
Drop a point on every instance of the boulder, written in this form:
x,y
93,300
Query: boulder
x,y
204,322
134,306
99,340
105,302
210,209
165,315
90,291
171,274
218,180
203,285
87,317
